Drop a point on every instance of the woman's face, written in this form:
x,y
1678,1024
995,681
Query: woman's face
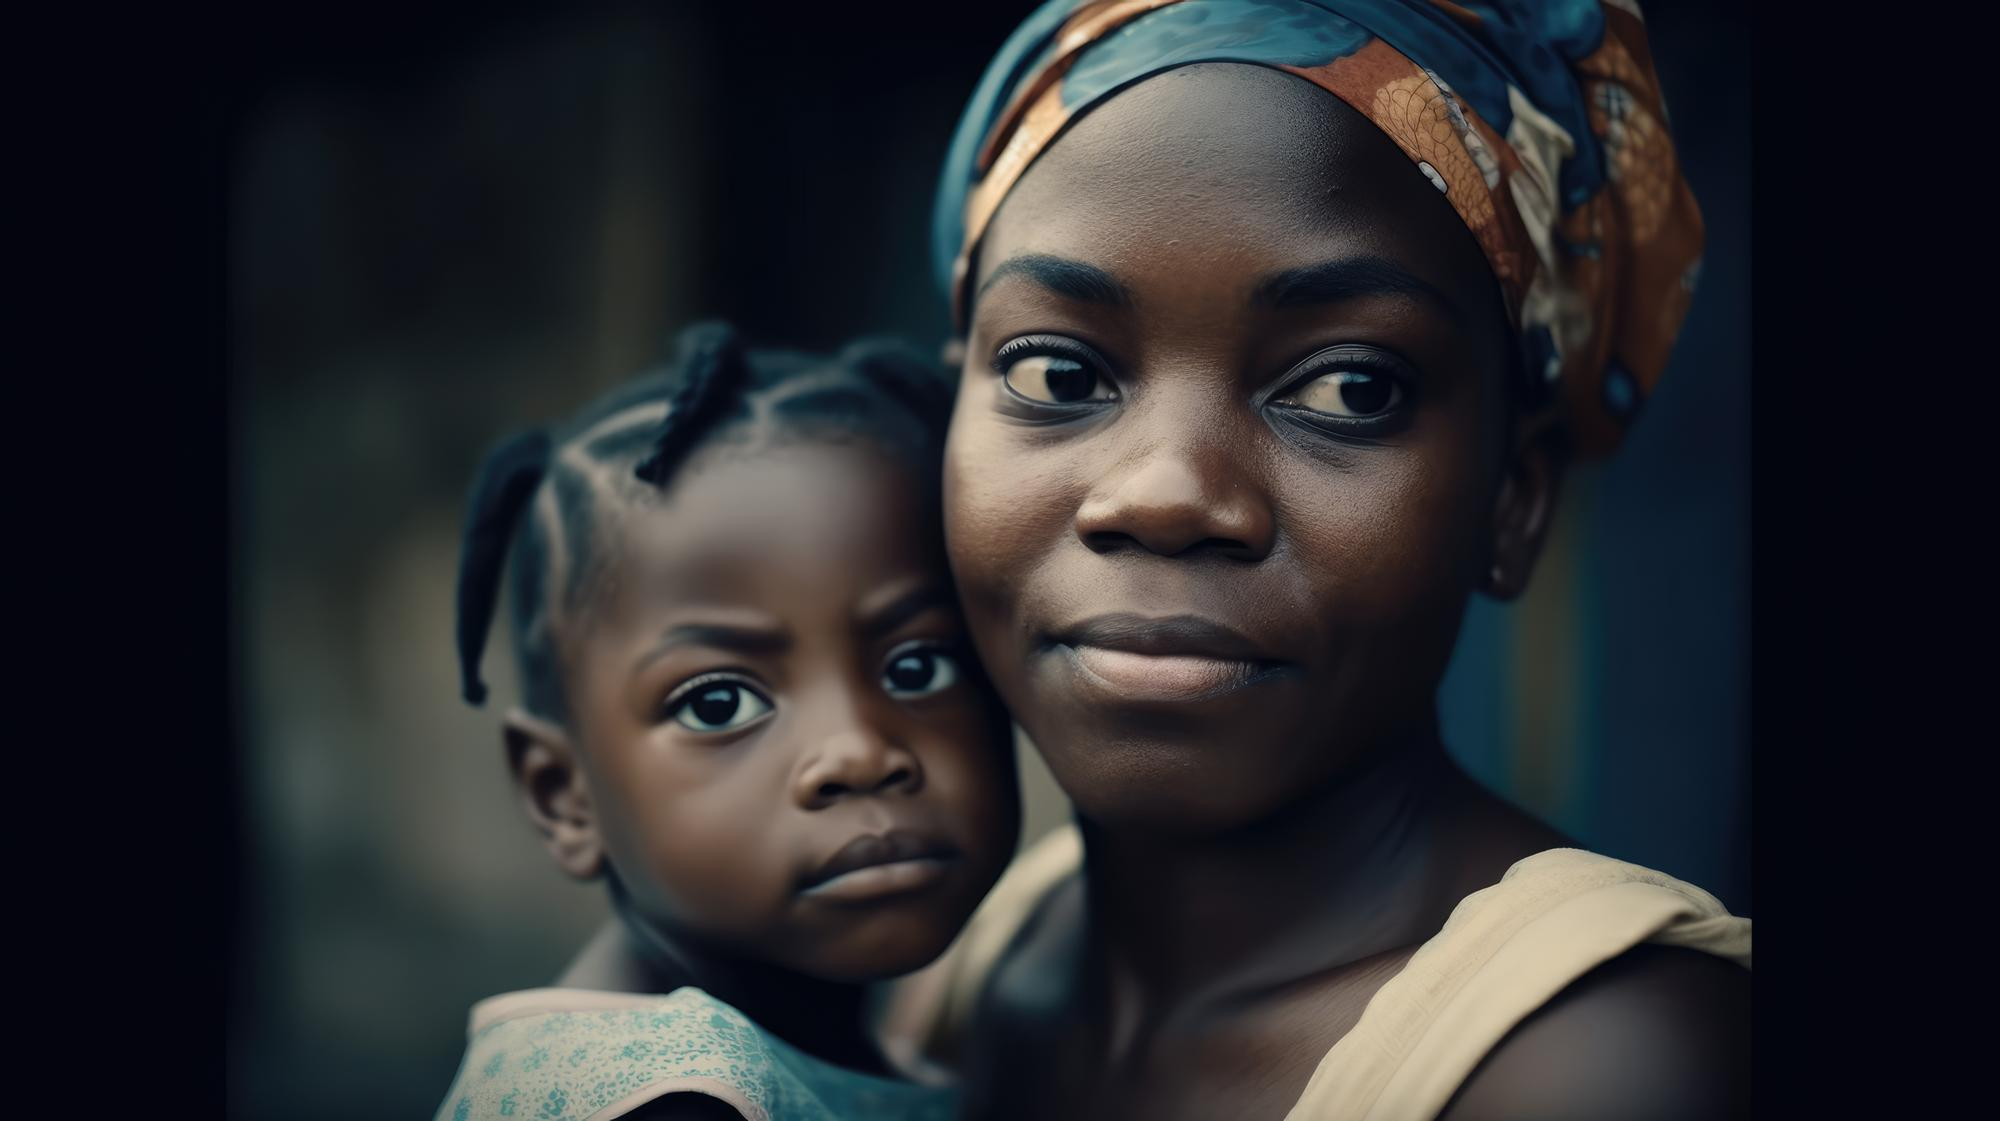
x,y
1228,441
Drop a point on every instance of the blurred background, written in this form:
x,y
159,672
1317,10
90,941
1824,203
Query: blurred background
x,y
446,224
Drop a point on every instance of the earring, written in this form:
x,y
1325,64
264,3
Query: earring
x,y
1496,577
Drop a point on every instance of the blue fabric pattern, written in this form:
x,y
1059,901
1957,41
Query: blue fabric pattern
x,y
575,1064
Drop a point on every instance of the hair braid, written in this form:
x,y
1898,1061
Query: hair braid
x,y
712,354
507,480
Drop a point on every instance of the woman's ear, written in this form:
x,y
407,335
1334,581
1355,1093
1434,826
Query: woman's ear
x,y
1525,507
953,353
554,792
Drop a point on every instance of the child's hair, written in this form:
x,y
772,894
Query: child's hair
x,y
873,388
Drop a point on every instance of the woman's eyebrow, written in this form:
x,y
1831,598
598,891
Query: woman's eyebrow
x,y
1063,276
745,640
1347,278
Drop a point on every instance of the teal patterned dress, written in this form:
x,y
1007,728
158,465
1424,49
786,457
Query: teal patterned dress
x,y
591,1056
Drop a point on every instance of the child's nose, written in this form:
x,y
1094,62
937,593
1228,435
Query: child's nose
x,y
855,762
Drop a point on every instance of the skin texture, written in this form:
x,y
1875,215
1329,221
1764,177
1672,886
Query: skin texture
x,y
1155,422
792,577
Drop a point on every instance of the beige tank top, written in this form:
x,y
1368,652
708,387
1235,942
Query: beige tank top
x,y
1504,952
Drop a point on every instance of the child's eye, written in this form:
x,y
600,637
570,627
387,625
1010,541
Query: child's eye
x,y
1348,393
717,706
919,672
1052,371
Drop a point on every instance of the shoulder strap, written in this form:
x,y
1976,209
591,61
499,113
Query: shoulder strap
x,y
1505,952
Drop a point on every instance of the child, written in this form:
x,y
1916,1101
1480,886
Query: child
x,y
747,704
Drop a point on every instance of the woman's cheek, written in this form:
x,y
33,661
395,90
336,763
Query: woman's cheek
x,y
997,505
1382,544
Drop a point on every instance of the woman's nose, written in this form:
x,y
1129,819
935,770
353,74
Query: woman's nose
x,y
858,760
1188,492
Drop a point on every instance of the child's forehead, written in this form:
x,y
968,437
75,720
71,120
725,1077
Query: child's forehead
x,y
762,522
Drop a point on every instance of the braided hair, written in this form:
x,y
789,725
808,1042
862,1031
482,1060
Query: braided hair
x,y
539,504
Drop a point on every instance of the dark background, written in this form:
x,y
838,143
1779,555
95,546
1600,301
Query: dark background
x,y
444,224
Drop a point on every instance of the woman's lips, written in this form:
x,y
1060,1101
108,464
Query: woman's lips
x,y
879,865
1164,677
1176,658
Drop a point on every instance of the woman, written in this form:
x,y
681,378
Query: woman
x,y
1280,319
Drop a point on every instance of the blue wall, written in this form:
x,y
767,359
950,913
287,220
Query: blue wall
x,y
1614,697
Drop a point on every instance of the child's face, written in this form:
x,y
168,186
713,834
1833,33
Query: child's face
x,y
790,754
1228,446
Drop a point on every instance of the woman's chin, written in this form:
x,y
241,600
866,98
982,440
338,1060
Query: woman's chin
x,y
1179,785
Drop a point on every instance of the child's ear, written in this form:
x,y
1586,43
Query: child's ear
x,y
554,792
1524,508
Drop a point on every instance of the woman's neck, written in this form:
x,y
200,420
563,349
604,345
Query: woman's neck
x,y
1371,864
825,1019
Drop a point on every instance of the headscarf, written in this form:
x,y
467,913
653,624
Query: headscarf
x,y
1542,124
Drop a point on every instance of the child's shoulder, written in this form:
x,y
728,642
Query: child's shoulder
x,y
561,1052
543,1053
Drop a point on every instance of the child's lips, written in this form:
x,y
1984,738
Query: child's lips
x,y
877,865
881,880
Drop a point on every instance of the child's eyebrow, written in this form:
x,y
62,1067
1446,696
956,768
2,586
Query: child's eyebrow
x,y
880,621
744,640
1347,278
1063,276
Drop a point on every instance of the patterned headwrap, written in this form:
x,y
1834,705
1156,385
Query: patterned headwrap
x,y
1542,123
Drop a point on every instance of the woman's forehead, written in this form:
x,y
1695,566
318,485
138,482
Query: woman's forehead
x,y
1220,165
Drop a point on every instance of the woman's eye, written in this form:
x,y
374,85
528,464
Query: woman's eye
x,y
719,706
1054,379
919,673
1348,393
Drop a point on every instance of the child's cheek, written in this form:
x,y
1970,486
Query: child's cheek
x,y
699,831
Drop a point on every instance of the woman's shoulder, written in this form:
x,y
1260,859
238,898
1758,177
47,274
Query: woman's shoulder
x,y
928,1015
1658,1031
1578,985
1024,1016
1025,982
